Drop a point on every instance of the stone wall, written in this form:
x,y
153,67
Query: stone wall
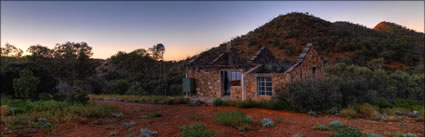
x,y
207,82
304,70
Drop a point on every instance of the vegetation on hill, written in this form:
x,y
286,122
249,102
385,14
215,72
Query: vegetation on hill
x,y
286,35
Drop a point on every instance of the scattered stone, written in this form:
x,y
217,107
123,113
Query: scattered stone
x,y
333,111
312,113
147,133
131,129
139,101
298,135
194,102
249,118
413,114
377,117
42,121
267,123
410,135
118,115
399,113
128,124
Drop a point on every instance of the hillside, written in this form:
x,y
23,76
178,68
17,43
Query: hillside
x,y
285,36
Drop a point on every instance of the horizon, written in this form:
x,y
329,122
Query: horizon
x,y
185,28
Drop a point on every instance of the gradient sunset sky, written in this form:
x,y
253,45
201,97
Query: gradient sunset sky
x,y
185,28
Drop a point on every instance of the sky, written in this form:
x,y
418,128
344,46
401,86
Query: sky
x,y
186,28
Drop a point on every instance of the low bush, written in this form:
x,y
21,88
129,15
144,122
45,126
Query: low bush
x,y
372,135
24,113
232,118
78,96
368,110
219,102
409,103
335,125
320,127
197,130
382,103
348,113
348,132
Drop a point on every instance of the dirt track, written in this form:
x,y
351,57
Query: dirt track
x,y
173,116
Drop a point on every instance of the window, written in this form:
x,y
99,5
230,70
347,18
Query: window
x,y
234,78
264,86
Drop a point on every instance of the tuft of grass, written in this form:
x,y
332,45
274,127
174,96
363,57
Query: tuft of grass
x,y
114,133
232,118
394,134
320,127
335,125
348,132
368,110
197,130
348,113
24,114
151,115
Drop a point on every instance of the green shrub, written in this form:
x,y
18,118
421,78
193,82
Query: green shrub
x,y
394,134
368,110
348,113
348,132
26,85
114,133
335,125
320,127
408,103
119,87
373,135
78,96
382,103
197,130
151,115
219,102
232,118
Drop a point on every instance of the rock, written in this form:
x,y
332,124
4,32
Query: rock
x,y
117,115
399,113
42,121
333,111
147,133
377,117
312,113
266,122
195,102
128,124
413,114
249,118
32,130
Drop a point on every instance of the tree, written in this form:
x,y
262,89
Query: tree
x,y
40,51
72,61
12,71
11,51
157,51
25,85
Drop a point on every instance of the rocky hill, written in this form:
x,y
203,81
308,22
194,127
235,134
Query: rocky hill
x,y
285,36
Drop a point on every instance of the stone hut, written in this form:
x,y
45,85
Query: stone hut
x,y
257,78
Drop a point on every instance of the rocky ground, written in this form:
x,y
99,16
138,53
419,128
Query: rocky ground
x,y
174,116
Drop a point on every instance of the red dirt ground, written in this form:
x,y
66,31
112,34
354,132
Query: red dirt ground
x,y
174,116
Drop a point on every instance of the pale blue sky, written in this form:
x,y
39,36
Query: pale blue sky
x,y
185,28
